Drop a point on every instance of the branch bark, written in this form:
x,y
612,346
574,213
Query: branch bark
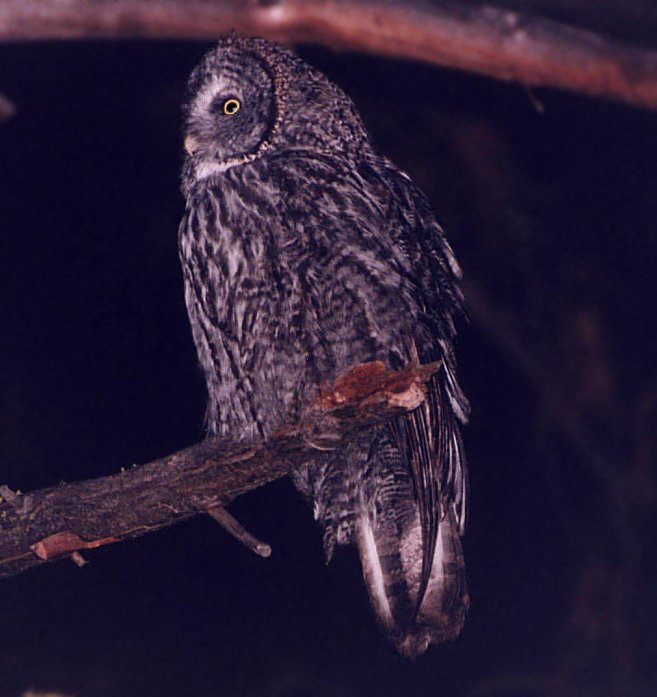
x,y
498,43
62,521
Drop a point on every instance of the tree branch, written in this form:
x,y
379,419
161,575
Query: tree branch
x,y
498,43
48,524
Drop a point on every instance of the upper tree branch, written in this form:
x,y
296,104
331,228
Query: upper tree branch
x,y
498,43
52,523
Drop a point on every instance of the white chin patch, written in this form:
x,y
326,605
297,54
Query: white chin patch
x,y
205,168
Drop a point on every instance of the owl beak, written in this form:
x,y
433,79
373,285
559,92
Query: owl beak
x,y
191,144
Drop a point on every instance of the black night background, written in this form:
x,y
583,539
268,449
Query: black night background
x,y
550,202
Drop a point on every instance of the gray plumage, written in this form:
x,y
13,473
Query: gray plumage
x,y
305,252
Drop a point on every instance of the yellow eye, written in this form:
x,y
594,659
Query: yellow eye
x,y
231,106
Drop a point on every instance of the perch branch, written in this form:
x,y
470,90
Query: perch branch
x,y
498,43
63,521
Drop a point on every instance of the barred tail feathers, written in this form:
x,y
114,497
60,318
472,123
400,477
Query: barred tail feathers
x,y
392,569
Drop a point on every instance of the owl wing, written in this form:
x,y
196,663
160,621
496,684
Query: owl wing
x,y
430,435
383,226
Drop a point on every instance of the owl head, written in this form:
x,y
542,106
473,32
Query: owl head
x,y
250,98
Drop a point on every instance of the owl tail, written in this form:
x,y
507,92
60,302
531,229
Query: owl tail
x,y
392,568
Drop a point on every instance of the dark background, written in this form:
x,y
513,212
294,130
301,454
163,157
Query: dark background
x,y
550,201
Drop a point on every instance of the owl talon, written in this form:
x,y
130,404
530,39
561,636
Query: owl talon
x,y
241,534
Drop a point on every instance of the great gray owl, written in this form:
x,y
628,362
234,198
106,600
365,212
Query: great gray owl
x,y
306,252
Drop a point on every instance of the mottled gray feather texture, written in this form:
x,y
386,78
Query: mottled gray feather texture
x,y
305,252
